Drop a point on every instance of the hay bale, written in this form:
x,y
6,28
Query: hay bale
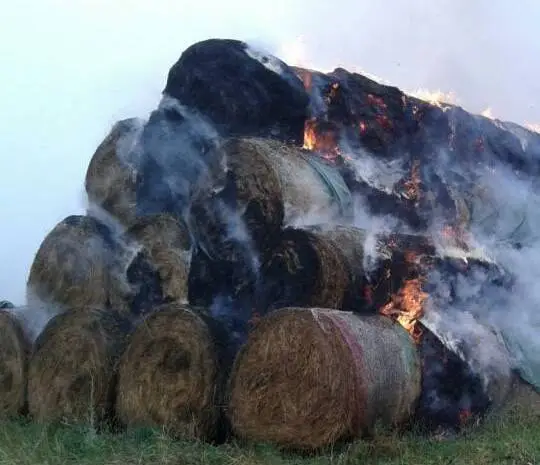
x,y
167,243
316,266
172,373
78,265
73,368
269,183
308,378
14,352
243,91
111,177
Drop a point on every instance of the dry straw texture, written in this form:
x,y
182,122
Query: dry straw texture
x,y
306,268
308,378
170,375
269,183
73,368
14,352
111,177
76,266
168,246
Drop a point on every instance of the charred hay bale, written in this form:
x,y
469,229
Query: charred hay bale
x,y
308,378
243,91
111,177
167,244
6,304
173,372
463,382
14,352
524,399
269,183
73,368
318,266
76,266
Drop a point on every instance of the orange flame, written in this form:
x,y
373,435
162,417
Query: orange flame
x,y
324,141
464,416
407,307
412,185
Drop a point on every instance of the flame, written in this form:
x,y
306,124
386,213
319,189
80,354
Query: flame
x,y
407,306
437,97
535,127
488,113
412,185
323,141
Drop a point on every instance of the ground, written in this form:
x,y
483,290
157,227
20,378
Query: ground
x,y
514,439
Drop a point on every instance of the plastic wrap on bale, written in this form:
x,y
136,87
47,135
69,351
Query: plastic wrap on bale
x,y
173,372
77,265
309,378
15,347
242,90
167,243
112,174
73,368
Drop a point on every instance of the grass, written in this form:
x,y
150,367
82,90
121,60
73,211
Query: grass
x,y
513,440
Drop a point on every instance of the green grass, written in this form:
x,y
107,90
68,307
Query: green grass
x,y
514,440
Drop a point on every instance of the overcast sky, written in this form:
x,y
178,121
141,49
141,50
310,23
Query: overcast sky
x,y
71,68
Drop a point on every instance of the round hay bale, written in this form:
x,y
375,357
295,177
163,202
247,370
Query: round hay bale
x,y
172,373
111,177
243,91
308,378
168,245
307,269
78,265
269,183
73,368
14,352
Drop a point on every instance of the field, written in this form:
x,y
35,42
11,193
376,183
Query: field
x,y
512,440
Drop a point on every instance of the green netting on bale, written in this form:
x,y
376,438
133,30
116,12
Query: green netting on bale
x,y
335,184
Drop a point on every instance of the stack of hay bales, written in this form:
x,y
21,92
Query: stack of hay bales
x,y
189,235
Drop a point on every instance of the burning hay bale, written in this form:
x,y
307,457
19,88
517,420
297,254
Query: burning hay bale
x,y
76,266
167,243
14,353
111,177
243,91
323,265
329,376
270,184
172,373
73,369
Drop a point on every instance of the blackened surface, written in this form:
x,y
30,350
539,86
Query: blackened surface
x,y
239,93
451,393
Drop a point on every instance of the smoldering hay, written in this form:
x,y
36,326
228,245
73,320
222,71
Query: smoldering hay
x,y
308,378
274,186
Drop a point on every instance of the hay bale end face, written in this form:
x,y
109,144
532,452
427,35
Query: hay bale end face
x,y
14,352
172,374
111,177
305,269
73,368
168,246
76,266
308,378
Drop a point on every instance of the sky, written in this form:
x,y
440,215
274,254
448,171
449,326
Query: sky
x,y
71,68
